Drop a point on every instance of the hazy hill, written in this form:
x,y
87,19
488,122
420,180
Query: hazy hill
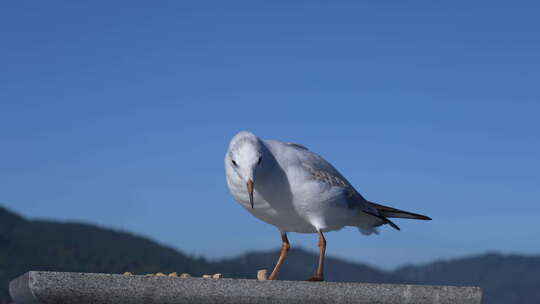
x,y
45,245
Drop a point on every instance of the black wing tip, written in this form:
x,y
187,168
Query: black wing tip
x,y
393,225
397,213
384,219
423,217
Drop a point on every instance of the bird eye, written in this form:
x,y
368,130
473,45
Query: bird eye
x,y
259,161
234,163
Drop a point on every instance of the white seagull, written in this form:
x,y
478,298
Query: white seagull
x,y
296,190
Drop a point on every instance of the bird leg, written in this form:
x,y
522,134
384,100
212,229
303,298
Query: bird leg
x,y
319,276
285,246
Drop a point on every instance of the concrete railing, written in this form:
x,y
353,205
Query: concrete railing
x,y
36,287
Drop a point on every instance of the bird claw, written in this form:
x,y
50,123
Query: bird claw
x,y
316,279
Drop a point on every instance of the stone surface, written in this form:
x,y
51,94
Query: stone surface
x,y
64,287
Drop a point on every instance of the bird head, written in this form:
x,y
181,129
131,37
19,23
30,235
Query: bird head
x,y
244,157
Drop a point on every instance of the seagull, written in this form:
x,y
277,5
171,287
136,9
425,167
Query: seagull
x,y
288,186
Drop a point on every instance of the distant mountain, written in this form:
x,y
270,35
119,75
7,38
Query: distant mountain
x,y
46,245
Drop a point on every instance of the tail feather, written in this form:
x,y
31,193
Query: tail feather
x,y
386,211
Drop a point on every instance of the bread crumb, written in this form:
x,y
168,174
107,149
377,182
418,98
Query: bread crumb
x,y
262,275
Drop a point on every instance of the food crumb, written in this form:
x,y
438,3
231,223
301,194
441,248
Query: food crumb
x,y
262,275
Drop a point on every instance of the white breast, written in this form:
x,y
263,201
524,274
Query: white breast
x,y
274,207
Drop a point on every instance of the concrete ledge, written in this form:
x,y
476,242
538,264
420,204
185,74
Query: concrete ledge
x,y
65,287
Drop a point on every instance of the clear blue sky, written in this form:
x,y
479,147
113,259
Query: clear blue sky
x,y
119,113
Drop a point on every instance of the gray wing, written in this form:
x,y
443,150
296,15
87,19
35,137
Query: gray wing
x,y
323,171
298,146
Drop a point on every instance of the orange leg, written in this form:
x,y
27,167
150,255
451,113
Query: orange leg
x,y
319,276
285,246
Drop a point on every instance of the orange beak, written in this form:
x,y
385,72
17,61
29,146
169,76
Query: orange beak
x,y
250,191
